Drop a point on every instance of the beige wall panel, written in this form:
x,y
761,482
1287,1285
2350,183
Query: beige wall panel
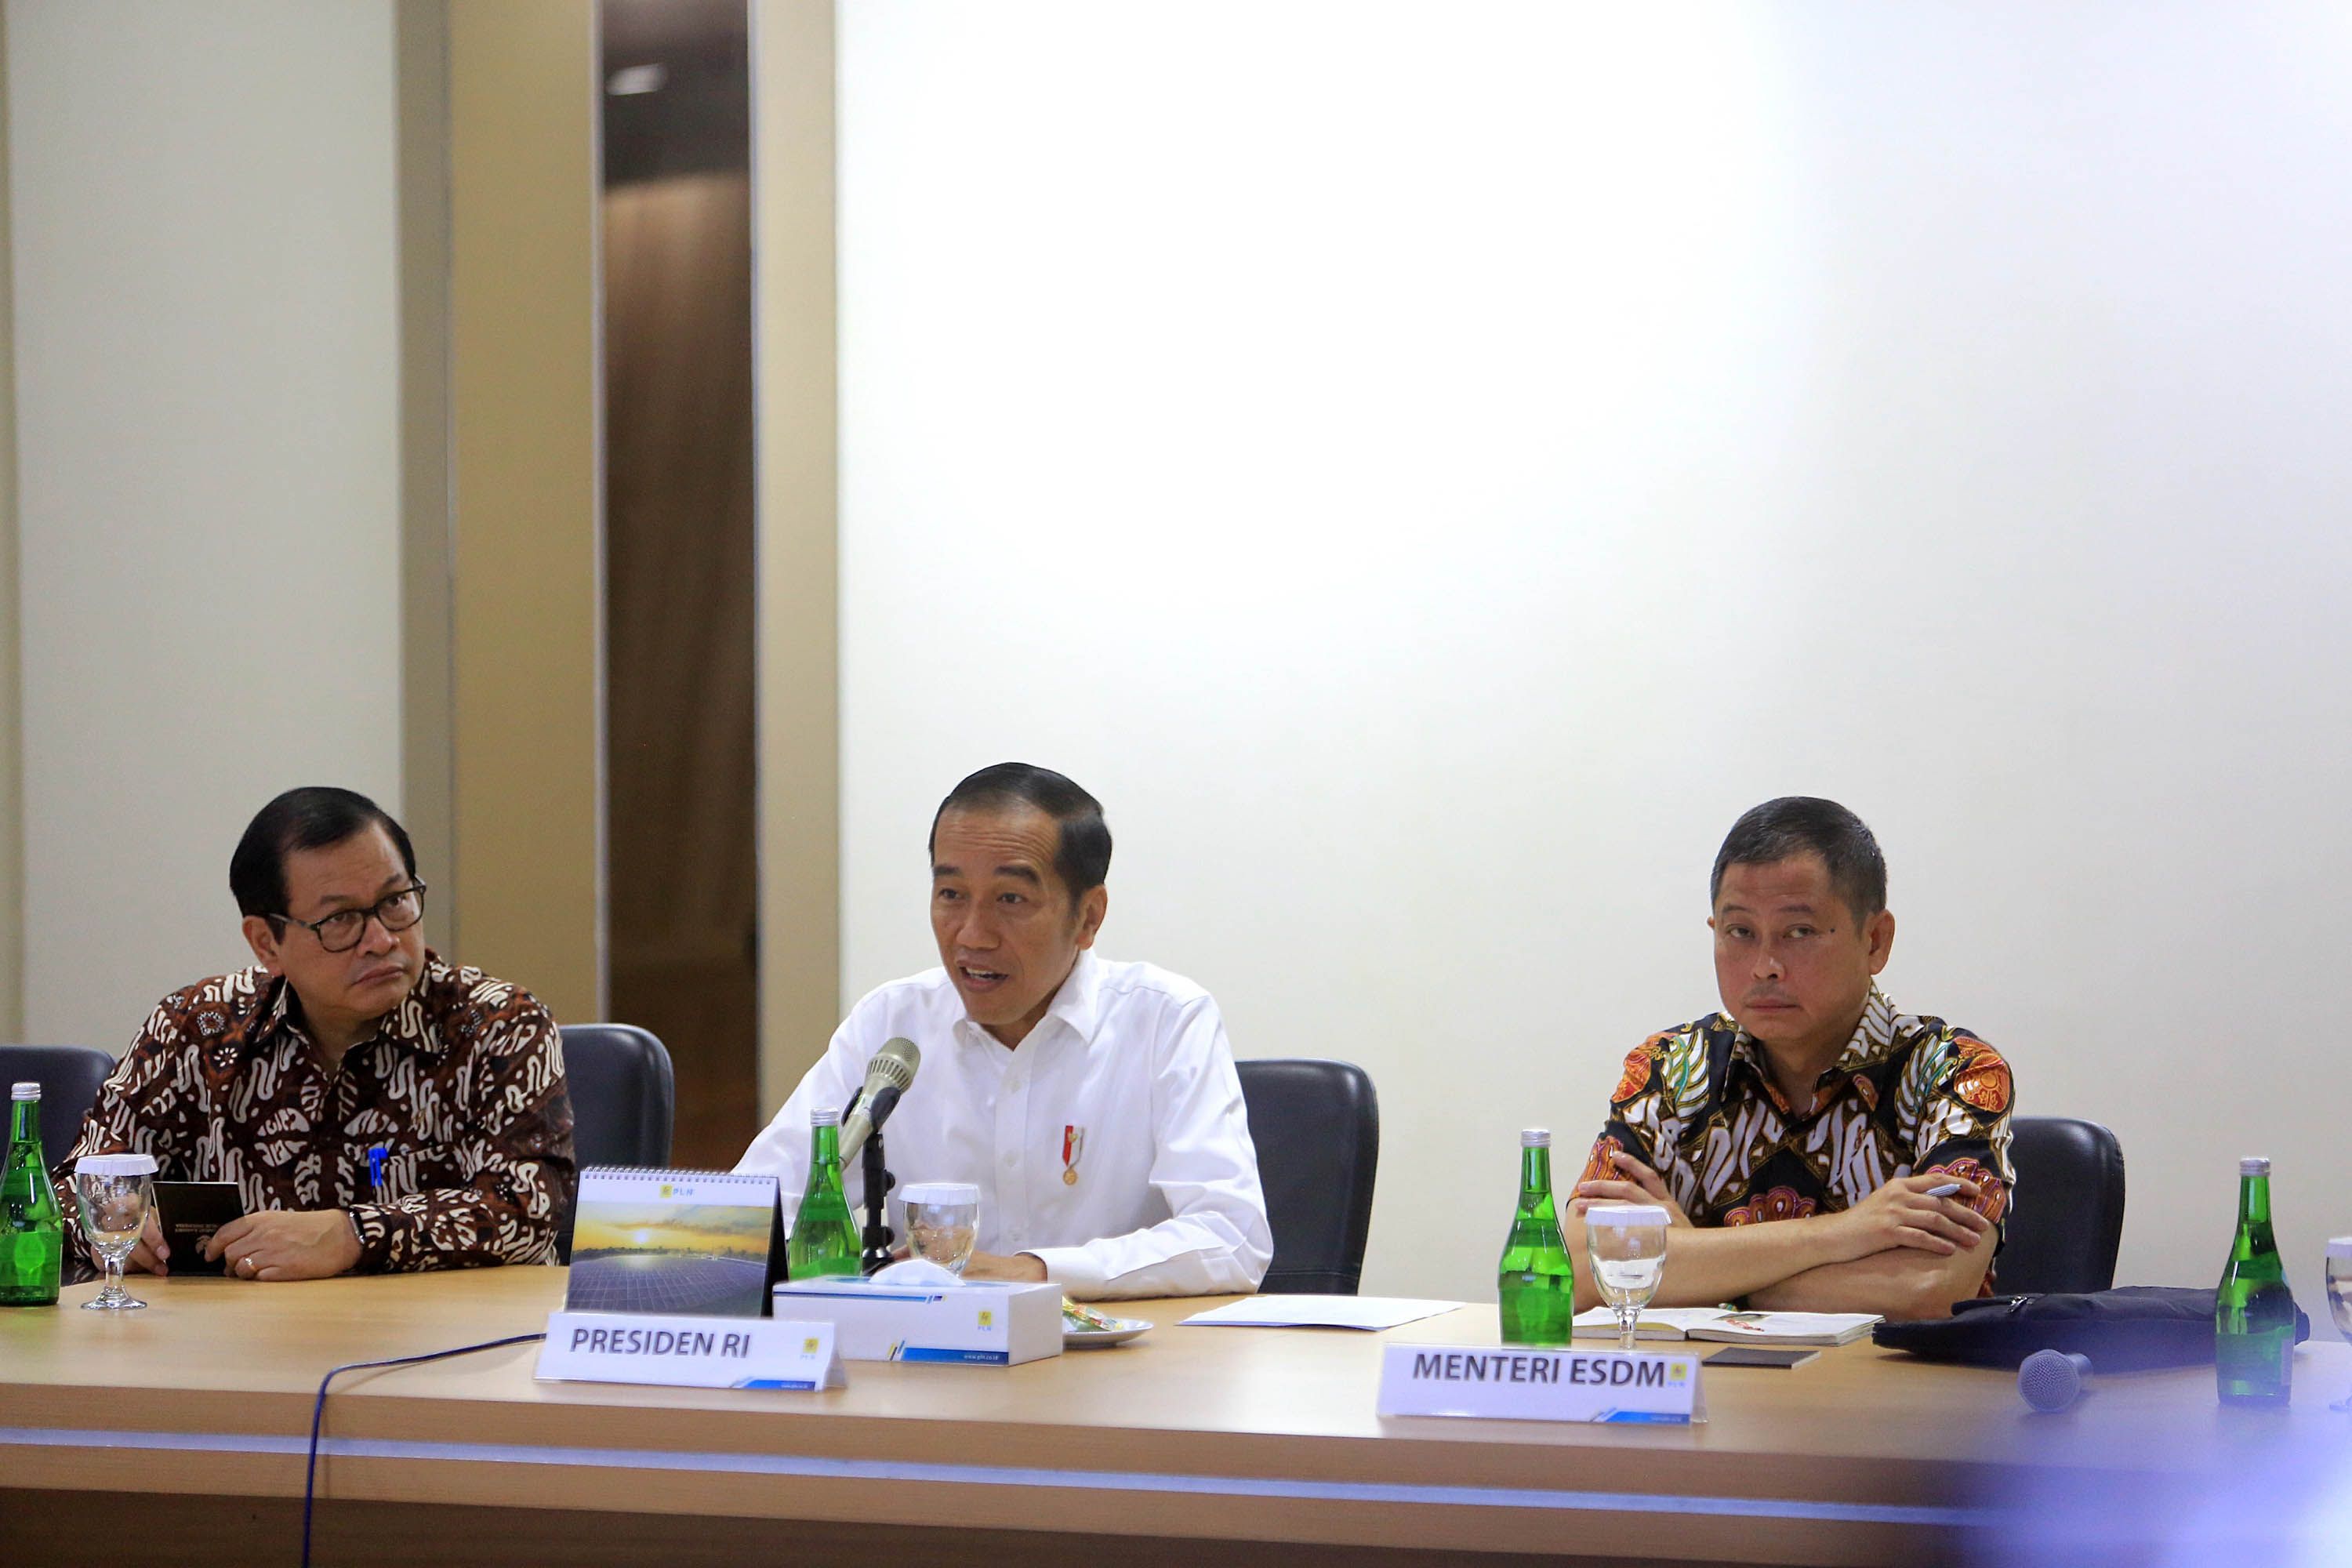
x,y
427,672
523,177
206,338
799,752
12,805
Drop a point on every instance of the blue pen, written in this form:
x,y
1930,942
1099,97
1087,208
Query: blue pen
x,y
377,1154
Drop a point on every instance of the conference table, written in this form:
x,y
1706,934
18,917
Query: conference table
x,y
179,1434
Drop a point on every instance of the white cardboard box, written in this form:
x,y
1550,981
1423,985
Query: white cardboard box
x,y
974,1324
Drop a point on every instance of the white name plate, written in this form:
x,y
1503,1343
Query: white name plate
x,y
689,1352
1520,1383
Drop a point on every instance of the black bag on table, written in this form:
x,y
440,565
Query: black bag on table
x,y
2134,1328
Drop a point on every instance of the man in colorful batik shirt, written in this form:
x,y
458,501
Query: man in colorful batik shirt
x,y
378,1108
1798,1137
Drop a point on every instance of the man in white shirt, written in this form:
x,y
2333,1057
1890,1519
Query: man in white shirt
x,y
1094,1103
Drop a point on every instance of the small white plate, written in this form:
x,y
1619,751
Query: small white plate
x,y
1097,1339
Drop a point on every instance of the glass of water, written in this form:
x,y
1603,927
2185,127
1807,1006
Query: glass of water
x,y
114,1193
1627,1242
2339,1296
942,1222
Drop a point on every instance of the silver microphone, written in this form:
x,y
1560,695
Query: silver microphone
x,y
888,1075
2051,1380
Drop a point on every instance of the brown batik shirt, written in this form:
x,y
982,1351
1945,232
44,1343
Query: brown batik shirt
x,y
461,1086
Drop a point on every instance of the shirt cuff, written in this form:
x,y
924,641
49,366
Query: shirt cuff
x,y
373,1223
1075,1269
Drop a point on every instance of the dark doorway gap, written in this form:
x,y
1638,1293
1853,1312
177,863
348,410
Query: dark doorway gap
x,y
679,753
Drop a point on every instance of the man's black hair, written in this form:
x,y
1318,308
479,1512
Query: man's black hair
x,y
1081,858
312,817
1803,824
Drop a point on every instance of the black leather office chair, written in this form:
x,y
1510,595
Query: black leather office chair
x,y
70,1077
1317,1125
624,1100
2068,1217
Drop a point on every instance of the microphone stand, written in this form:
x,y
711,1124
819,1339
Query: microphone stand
x,y
878,1239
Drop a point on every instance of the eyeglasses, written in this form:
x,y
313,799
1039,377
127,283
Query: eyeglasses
x,y
341,931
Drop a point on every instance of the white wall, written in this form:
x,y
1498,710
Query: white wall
x,y
207,384
1428,469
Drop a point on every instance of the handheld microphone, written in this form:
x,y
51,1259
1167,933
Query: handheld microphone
x,y
887,1077
2051,1380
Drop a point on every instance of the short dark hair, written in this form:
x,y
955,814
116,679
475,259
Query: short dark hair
x,y
1081,858
1804,824
312,817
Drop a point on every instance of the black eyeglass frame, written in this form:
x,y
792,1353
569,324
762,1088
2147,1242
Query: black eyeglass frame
x,y
376,912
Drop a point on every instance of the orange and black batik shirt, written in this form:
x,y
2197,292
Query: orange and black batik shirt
x,y
1909,1096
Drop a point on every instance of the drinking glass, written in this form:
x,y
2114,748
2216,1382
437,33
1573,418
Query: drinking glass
x,y
113,1193
1627,1243
2339,1296
943,1223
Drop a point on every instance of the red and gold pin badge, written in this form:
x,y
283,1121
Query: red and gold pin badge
x,y
1074,1146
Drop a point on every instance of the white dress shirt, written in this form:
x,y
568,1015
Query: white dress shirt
x,y
1129,1075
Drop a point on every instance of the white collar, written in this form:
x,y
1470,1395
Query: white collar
x,y
1077,1005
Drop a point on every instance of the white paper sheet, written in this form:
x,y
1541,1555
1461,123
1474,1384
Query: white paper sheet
x,y
1372,1312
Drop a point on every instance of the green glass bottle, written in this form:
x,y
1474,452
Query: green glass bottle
x,y
824,1238
1536,1282
32,1232
2254,1312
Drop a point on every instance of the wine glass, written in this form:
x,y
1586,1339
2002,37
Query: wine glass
x,y
1627,1243
2339,1296
113,1193
943,1223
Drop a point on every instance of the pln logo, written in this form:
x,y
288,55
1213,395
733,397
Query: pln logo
x,y
987,1319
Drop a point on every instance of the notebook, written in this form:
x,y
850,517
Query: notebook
x,y
1721,1323
703,1243
189,1212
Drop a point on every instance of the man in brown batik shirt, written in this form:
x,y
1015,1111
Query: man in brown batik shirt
x,y
348,1036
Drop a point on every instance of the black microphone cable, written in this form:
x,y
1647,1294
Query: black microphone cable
x,y
319,1410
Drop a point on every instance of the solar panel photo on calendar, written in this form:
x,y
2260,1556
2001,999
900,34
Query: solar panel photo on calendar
x,y
699,1242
